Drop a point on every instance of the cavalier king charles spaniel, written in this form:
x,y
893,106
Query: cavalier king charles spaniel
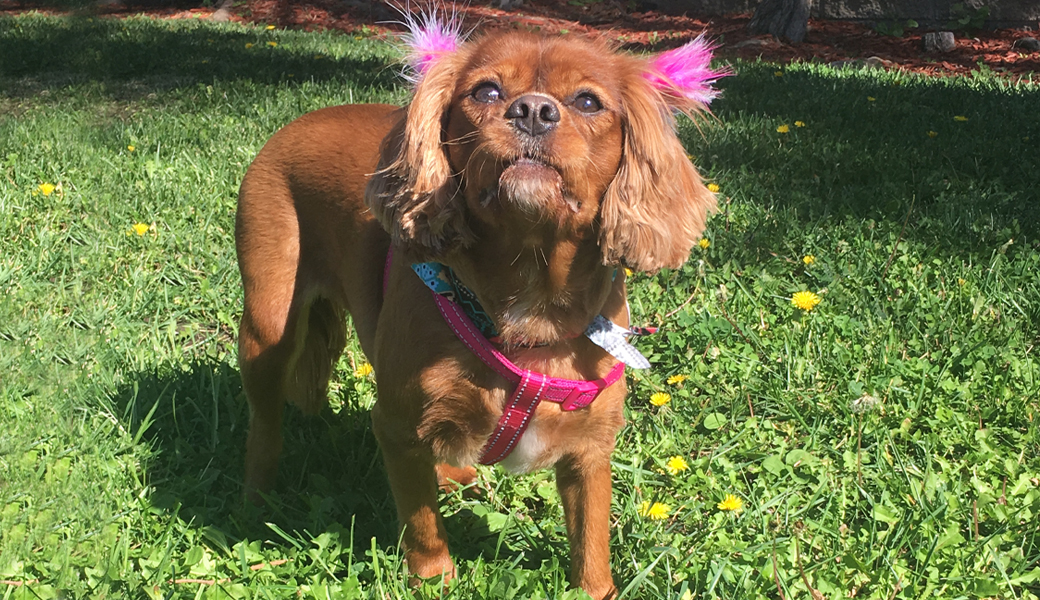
x,y
523,178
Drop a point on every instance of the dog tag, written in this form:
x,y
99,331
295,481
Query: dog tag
x,y
611,337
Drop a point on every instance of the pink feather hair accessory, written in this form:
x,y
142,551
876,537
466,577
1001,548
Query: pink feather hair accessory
x,y
686,71
427,39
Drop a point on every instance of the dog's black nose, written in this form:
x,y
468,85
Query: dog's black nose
x,y
534,114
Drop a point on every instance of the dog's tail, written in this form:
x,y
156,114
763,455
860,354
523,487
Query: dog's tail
x,y
320,339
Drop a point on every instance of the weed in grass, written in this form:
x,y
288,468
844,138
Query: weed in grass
x,y
882,445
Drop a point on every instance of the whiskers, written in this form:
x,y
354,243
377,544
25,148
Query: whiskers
x,y
463,139
539,251
481,150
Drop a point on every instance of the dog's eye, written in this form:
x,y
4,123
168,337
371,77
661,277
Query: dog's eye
x,y
587,103
487,93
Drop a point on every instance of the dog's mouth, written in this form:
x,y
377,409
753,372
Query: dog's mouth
x,y
534,185
529,165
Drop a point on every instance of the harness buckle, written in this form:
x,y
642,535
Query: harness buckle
x,y
582,395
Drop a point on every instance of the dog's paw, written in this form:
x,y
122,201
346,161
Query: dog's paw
x,y
451,479
430,568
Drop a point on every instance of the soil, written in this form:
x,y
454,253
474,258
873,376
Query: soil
x,y
826,41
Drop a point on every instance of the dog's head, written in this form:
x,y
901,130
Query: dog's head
x,y
516,132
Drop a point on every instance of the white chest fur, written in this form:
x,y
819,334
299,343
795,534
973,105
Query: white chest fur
x,y
530,453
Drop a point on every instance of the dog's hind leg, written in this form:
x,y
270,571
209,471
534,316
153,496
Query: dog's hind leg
x,y
294,368
291,333
263,357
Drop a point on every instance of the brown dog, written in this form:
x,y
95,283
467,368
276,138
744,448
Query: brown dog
x,y
531,166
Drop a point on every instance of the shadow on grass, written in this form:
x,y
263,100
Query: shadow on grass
x,y
331,475
195,420
153,56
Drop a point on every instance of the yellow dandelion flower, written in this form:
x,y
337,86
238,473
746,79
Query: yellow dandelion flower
x,y
131,148
933,133
655,511
676,379
139,228
689,156
960,118
960,281
805,300
778,74
731,502
269,27
629,272
46,188
363,370
272,44
808,259
799,123
676,465
783,128
249,44
871,99
660,398
704,243
714,188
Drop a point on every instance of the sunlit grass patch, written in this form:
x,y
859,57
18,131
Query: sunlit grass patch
x,y
881,443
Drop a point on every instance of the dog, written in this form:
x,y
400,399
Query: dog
x,y
527,174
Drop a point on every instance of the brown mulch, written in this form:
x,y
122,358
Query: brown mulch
x,y
826,41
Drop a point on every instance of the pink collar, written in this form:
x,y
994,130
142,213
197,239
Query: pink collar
x,y
531,387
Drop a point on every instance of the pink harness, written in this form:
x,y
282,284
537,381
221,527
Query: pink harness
x,y
531,387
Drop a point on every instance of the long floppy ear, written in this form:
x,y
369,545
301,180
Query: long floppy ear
x,y
657,205
413,192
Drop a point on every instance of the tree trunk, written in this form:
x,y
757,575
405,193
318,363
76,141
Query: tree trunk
x,y
786,19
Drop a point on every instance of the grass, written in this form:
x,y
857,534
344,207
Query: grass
x,y
884,444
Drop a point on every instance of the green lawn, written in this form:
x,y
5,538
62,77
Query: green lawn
x,y
885,444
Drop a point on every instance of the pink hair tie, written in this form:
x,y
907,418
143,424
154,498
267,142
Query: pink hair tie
x,y
686,71
427,39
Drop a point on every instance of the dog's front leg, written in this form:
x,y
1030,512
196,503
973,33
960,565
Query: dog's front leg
x,y
584,484
413,481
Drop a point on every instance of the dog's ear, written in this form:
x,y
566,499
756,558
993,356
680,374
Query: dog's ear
x,y
413,190
657,205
